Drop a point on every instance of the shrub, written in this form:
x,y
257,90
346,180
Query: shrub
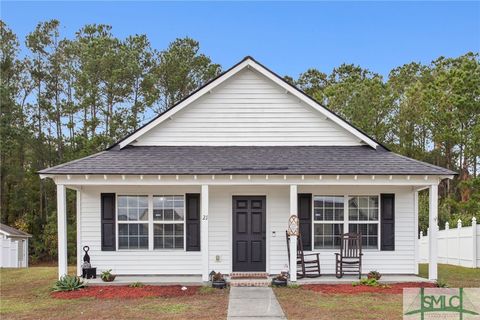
x,y
217,277
374,275
107,276
136,285
441,284
68,283
366,282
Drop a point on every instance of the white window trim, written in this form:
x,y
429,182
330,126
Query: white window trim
x,y
346,220
150,222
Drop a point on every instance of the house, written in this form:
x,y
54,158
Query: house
x,y
210,184
14,247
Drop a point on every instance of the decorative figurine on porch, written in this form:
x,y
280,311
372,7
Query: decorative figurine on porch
x,y
87,270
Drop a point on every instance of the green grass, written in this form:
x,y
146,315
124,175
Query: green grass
x,y
306,304
454,276
25,294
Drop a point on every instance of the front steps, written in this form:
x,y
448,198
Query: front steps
x,y
249,279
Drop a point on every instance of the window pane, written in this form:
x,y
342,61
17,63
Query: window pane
x,y
329,202
178,229
353,214
123,229
363,214
338,202
122,214
122,201
373,202
133,229
328,229
318,242
143,229
132,201
178,243
157,214
143,243
178,214
168,242
133,242
339,214
158,242
132,214
328,214
143,214
373,214
318,229
168,228
353,202
168,214
143,202
123,242
373,229
363,202
318,202
169,203
318,214
158,229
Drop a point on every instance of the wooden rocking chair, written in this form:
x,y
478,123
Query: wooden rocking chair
x,y
350,257
306,268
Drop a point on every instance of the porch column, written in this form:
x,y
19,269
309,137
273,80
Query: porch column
x,y
293,239
433,231
204,232
62,229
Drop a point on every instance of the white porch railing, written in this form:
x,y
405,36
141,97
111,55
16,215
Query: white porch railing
x,y
458,246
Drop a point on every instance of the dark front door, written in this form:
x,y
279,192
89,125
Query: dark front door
x,y
249,231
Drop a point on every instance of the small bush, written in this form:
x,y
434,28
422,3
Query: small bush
x,y
441,284
107,276
374,275
218,277
366,282
68,283
136,285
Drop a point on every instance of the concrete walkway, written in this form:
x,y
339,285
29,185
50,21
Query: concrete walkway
x,y
253,303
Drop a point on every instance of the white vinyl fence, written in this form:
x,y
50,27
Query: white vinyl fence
x,y
459,246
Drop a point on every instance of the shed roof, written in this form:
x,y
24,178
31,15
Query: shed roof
x,y
305,160
12,232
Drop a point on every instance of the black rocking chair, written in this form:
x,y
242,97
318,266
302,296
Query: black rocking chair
x,y
350,257
306,268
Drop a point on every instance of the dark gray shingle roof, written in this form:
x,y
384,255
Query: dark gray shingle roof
x,y
10,231
343,160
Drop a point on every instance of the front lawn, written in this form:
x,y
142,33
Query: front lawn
x,y
300,303
25,294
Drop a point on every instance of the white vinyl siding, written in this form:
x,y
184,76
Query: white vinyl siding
x,y
247,109
133,262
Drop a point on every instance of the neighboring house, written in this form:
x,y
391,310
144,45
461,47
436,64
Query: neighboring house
x,y
14,247
210,185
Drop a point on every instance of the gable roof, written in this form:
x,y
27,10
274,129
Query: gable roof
x,y
244,160
247,62
12,232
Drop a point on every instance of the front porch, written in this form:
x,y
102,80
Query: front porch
x,y
216,223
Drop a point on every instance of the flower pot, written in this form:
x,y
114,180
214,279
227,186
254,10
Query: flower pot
x,y
220,284
109,279
279,283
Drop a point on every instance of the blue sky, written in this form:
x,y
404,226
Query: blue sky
x,y
287,37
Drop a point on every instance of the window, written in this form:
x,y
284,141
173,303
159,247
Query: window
x,y
169,220
363,211
132,216
146,221
329,220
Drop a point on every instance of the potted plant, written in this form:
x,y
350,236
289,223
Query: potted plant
x,y
374,275
107,276
280,280
218,281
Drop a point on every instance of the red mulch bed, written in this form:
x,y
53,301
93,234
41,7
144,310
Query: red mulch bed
x,y
394,288
111,292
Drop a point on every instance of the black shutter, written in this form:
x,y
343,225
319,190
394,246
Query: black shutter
x,y
108,221
387,221
193,221
305,217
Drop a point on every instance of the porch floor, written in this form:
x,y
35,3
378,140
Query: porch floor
x,y
197,280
